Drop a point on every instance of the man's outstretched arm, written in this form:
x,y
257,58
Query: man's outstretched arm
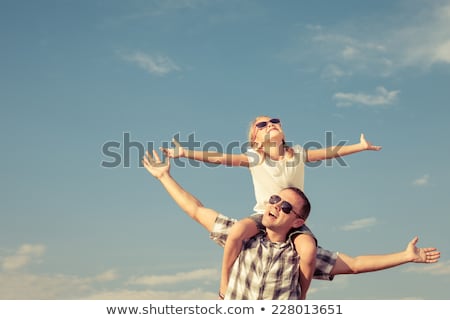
x,y
346,264
186,201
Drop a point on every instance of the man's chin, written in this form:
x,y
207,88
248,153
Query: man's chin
x,y
266,221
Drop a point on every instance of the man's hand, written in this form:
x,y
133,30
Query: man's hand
x,y
367,145
421,255
155,166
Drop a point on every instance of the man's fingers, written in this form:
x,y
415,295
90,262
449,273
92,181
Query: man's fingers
x,y
151,160
155,159
148,157
156,156
432,252
432,257
147,160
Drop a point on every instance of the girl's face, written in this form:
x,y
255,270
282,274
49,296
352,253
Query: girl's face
x,y
267,129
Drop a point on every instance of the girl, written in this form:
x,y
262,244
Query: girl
x,y
273,166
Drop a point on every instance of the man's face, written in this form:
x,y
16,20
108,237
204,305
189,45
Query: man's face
x,y
275,219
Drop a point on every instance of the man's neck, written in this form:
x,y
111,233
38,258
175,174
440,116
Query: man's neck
x,y
275,236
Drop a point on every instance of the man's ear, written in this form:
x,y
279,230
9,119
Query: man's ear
x,y
298,223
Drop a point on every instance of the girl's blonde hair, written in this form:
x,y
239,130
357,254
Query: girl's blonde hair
x,y
257,146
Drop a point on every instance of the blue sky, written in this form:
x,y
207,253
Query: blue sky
x,y
79,75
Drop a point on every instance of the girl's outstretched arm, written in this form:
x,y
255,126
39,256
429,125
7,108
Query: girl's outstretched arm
x,y
340,151
233,160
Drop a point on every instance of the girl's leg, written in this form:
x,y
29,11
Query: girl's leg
x,y
305,245
241,230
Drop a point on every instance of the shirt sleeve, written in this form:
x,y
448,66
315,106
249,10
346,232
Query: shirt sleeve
x,y
325,261
221,229
253,157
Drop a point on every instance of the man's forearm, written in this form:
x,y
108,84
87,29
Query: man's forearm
x,y
369,263
306,275
188,203
372,263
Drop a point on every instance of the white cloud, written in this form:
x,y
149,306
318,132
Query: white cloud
x,y
360,224
20,285
349,52
15,262
197,294
314,27
423,181
437,269
17,284
201,274
381,97
27,286
334,72
106,276
426,41
23,256
30,286
410,37
159,65
31,249
354,56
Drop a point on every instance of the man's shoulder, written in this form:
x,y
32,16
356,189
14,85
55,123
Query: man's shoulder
x,y
221,228
224,220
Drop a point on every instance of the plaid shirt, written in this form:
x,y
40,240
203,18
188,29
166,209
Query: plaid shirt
x,y
267,270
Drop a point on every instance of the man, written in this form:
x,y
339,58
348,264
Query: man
x,y
268,265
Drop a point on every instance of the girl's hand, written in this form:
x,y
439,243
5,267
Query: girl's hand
x,y
177,152
367,145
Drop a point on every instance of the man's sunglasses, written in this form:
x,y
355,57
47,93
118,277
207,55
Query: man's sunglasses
x,y
285,206
262,124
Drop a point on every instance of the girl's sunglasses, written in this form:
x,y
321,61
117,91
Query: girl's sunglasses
x,y
285,206
263,124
